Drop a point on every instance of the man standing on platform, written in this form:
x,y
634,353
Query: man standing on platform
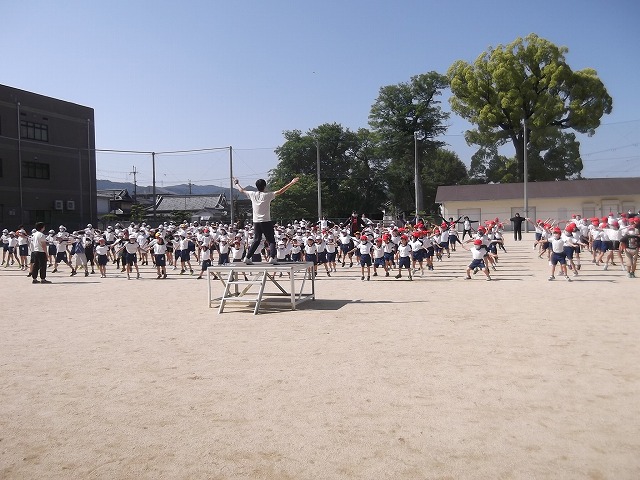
x,y
262,224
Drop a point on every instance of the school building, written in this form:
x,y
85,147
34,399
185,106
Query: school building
x,y
47,161
595,197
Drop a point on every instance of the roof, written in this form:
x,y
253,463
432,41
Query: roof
x,y
594,187
192,203
114,193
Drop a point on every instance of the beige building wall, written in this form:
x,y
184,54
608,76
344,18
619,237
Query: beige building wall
x,y
542,208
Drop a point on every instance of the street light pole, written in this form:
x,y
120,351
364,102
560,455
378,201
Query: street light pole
x,y
319,184
231,185
153,181
525,175
416,174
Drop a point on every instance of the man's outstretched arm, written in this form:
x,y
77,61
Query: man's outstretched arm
x,y
287,186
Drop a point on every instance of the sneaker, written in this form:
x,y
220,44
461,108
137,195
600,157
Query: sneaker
x,y
35,281
343,264
386,274
73,272
44,281
54,270
568,278
398,276
368,278
488,279
467,277
138,276
164,275
86,274
328,274
274,261
606,267
190,272
248,261
552,278
410,278
362,278
182,272
375,274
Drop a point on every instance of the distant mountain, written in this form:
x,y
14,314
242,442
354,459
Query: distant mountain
x,y
182,189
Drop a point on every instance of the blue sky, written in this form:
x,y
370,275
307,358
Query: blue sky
x,y
166,76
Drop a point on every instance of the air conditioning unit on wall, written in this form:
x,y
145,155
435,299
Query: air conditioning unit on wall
x,y
58,204
71,205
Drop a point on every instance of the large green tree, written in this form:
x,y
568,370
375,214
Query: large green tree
x,y
349,173
406,117
527,82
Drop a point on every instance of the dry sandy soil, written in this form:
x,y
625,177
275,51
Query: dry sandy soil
x,y
388,379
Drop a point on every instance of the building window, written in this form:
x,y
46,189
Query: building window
x,y
39,216
35,170
34,131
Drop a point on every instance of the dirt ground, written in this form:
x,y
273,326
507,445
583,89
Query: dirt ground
x,y
517,378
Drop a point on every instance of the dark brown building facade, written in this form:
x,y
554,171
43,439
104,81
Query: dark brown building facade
x,y
47,161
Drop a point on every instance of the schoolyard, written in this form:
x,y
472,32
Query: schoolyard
x,y
387,379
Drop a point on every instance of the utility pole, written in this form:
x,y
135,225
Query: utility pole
x,y
318,175
190,186
525,179
135,184
417,179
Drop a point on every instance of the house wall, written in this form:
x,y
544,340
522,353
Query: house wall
x,y
543,208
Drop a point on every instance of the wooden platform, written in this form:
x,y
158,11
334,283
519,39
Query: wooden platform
x,y
254,284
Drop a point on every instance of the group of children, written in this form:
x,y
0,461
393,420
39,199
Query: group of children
x,y
378,250
615,237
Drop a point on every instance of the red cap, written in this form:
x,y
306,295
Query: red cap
x,y
363,237
477,241
557,230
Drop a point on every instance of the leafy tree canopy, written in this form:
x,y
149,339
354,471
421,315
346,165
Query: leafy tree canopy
x,y
348,173
528,80
406,117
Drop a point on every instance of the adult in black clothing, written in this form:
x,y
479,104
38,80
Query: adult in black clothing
x,y
517,226
352,223
466,227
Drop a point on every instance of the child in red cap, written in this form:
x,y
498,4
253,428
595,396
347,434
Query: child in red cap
x,y
478,254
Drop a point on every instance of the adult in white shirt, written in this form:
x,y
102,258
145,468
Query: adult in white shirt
x,y
262,224
39,254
